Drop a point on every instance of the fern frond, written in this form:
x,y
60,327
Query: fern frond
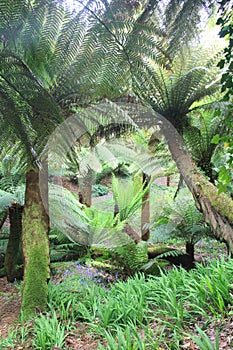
x,y
171,253
7,198
128,196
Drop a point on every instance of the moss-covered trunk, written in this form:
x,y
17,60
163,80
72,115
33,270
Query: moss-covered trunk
x,y
35,246
145,215
13,262
216,207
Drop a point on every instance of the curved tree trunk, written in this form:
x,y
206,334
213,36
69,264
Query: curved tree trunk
x,y
216,207
35,246
13,259
145,215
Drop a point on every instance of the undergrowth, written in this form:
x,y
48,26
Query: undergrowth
x,y
153,312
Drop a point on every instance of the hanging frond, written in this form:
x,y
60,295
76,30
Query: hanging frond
x,y
198,138
7,198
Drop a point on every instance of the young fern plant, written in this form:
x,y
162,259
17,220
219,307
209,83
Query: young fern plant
x,y
181,219
128,196
92,228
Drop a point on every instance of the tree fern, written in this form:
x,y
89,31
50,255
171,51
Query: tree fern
x,y
128,196
182,219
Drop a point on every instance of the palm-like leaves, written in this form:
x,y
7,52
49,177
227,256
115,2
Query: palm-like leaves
x,y
198,138
172,92
61,60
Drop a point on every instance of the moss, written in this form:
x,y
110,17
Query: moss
x,y
35,245
35,290
159,250
220,201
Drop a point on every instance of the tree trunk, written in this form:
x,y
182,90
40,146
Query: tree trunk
x,y
35,246
13,258
145,216
190,249
86,188
216,207
3,217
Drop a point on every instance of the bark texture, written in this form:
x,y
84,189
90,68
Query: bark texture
x,y
86,188
3,217
145,216
35,246
13,258
190,250
216,207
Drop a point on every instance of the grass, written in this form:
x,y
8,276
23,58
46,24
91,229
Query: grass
x,y
155,312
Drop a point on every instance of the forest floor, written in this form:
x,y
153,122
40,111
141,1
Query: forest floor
x,y
10,301
81,338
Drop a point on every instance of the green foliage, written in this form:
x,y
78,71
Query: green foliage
x,y
121,170
181,219
99,190
199,137
128,196
139,313
49,332
203,340
131,257
10,173
106,172
127,339
7,198
61,248
225,21
69,218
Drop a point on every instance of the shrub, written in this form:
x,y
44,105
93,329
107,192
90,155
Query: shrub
x,y
99,190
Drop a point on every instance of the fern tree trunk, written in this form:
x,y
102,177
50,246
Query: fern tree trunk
x,y
190,250
217,208
35,246
145,216
86,188
13,262
3,217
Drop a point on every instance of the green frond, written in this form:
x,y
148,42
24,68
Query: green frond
x,y
12,18
128,196
198,137
181,21
7,198
170,253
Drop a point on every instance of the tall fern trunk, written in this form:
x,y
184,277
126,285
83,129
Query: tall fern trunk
x,y
3,217
86,188
35,246
145,215
190,250
217,208
13,262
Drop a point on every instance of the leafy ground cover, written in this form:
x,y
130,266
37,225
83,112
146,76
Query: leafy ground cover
x,y
91,309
